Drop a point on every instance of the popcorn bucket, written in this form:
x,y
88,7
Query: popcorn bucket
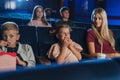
x,y
7,61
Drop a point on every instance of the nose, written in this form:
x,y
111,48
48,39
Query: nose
x,y
97,20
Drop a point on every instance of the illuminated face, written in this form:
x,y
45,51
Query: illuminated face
x,y
97,20
11,37
39,13
65,14
63,33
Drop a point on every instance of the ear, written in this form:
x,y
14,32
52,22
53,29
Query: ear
x,y
18,36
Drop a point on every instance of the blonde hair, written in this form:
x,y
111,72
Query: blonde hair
x,y
104,33
9,26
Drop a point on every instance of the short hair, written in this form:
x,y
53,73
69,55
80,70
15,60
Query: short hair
x,y
9,26
62,9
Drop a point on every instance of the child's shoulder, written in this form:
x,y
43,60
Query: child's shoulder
x,y
55,44
24,45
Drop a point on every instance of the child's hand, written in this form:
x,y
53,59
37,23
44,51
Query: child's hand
x,y
20,62
70,41
65,42
3,43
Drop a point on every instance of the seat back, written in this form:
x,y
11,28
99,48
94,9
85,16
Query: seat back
x,y
28,36
45,40
79,36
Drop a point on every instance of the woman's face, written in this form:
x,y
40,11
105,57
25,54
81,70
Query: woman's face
x,y
97,20
39,13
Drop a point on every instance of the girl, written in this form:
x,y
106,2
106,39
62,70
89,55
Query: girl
x,y
65,51
38,18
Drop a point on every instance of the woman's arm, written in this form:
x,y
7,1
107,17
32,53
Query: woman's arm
x,y
91,48
112,55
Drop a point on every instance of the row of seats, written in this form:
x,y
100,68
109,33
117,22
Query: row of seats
x,y
40,38
91,69
17,21
96,69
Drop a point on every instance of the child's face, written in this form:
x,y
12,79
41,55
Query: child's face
x,y
65,14
11,37
64,33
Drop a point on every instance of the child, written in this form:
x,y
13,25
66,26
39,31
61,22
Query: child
x,y
65,14
65,51
38,18
10,34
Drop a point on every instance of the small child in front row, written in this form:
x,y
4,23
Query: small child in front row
x,y
10,34
65,51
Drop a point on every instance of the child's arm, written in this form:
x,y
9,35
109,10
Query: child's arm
x,y
61,57
63,50
20,62
3,43
74,50
30,55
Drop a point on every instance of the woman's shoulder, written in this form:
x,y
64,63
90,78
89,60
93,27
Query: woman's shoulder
x,y
90,30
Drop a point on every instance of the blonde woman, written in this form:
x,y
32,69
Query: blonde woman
x,y
100,38
38,19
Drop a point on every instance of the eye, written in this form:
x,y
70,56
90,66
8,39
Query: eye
x,y
100,18
11,36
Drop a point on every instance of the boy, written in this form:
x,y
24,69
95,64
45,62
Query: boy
x,y
10,35
64,12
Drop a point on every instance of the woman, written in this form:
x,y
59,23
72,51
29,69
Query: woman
x,y
38,18
100,38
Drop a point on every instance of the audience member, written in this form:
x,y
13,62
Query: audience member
x,y
66,50
10,34
64,12
48,14
100,39
38,19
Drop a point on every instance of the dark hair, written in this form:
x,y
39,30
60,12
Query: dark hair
x,y
62,9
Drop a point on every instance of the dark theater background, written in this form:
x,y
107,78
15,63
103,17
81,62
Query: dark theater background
x,y
80,9
41,38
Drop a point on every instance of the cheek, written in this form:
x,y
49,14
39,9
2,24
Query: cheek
x,y
61,37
